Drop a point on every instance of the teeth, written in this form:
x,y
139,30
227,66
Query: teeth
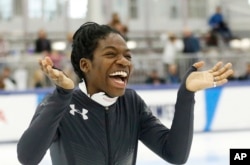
x,y
120,73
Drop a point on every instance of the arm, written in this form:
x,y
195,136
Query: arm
x,y
36,140
174,144
43,128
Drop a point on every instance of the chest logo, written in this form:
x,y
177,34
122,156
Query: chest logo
x,y
83,113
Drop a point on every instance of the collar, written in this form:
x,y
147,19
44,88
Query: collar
x,y
100,97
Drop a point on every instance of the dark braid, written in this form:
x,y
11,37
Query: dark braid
x,y
85,41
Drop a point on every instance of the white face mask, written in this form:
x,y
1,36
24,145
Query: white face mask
x,y
100,97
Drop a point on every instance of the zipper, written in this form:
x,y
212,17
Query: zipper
x,y
108,134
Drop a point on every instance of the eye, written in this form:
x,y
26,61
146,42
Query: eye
x,y
128,56
110,54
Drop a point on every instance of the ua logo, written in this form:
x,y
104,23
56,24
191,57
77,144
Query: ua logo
x,y
83,113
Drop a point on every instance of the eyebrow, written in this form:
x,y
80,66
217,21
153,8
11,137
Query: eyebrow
x,y
112,47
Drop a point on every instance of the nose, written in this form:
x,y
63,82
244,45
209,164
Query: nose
x,y
123,61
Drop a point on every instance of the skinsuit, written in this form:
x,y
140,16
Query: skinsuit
x,y
80,130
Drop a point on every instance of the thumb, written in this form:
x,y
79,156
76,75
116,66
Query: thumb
x,y
199,64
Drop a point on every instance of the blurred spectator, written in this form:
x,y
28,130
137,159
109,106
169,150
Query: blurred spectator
x,y
42,43
20,76
172,46
69,42
65,61
117,24
218,25
57,58
4,46
1,83
211,39
173,76
232,77
154,78
191,43
246,75
191,46
38,79
9,82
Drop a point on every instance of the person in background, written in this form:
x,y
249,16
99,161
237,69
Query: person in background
x,y
218,25
38,79
191,44
246,75
20,76
172,47
4,47
42,43
2,86
173,76
211,39
9,82
101,121
69,42
117,24
191,47
154,78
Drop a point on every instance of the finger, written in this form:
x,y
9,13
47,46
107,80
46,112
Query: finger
x,y
222,70
53,73
199,64
219,83
225,75
45,67
216,67
49,61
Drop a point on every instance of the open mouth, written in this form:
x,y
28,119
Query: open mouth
x,y
119,77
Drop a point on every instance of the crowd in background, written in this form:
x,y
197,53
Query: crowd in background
x,y
187,44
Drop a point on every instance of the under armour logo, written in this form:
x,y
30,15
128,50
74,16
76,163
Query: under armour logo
x,y
83,113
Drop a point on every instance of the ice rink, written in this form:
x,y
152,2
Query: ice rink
x,y
208,149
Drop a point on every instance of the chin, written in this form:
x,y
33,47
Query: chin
x,y
116,93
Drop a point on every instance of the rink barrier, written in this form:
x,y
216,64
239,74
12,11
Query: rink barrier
x,y
222,108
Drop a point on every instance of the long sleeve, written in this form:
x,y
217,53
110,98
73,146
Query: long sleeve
x,y
36,140
174,144
181,133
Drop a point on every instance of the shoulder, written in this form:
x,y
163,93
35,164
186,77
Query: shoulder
x,y
130,92
131,95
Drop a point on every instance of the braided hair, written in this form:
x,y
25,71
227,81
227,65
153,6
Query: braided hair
x,y
85,41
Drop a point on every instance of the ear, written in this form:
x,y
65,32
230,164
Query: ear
x,y
85,65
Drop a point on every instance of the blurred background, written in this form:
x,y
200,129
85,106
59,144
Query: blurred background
x,y
165,37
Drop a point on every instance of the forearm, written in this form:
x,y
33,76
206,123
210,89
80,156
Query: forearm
x,y
181,132
35,141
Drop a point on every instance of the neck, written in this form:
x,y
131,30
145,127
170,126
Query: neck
x,y
99,97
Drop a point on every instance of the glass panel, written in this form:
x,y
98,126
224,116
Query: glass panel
x,y
35,8
174,9
78,8
6,9
133,9
50,9
196,9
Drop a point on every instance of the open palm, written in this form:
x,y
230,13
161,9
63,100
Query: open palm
x,y
55,75
217,75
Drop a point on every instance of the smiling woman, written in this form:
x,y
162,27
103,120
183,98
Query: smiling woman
x,y
102,121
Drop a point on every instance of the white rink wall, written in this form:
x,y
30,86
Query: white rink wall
x,y
221,122
225,108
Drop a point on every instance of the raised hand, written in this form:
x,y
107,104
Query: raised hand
x,y
55,75
216,76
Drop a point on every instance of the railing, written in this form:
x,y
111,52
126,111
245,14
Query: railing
x,y
143,64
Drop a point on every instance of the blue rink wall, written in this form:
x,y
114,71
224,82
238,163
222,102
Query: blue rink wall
x,y
225,108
